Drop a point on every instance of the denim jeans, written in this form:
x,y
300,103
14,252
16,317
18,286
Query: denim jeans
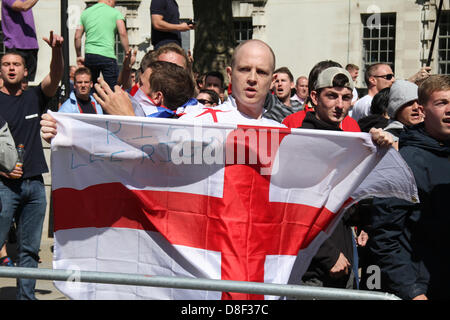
x,y
107,66
25,199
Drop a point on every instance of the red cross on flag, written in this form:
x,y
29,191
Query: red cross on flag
x,y
164,197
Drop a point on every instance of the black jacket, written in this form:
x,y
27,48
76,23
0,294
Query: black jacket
x,y
372,121
339,241
410,241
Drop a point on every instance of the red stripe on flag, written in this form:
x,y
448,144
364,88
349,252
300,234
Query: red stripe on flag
x,y
244,239
243,225
114,206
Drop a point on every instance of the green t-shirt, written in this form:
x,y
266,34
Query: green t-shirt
x,y
99,23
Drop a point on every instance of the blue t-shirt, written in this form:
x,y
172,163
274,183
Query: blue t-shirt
x,y
169,10
23,115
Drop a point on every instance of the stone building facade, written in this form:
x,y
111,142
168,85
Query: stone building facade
x,y
301,32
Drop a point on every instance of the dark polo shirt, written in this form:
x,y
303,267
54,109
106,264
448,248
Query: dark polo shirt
x,y
170,12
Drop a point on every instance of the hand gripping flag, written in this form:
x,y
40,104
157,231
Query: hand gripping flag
x,y
164,197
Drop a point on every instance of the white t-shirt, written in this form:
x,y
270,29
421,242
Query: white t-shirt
x,y
355,95
227,112
361,108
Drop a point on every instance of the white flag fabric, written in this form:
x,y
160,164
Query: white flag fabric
x,y
165,197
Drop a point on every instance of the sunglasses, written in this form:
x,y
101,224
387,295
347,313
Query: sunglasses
x,y
204,101
386,76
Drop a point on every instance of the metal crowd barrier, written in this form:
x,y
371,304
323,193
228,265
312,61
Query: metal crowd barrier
x,y
290,291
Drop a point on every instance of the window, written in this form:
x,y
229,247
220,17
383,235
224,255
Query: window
x,y
378,39
185,38
120,53
444,43
243,29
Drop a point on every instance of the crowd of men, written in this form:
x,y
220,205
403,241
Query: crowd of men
x,y
406,240
256,83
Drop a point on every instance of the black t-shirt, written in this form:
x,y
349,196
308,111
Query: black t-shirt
x,y
86,106
23,115
169,10
2,122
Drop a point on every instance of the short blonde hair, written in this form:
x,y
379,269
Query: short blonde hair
x,y
438,82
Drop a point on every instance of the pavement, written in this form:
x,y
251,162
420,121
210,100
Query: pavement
x,y
45,290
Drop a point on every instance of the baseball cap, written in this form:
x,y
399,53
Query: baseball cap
x,y
326,77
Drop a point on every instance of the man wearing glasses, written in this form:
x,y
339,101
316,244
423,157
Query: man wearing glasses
x,y
377,76
208,98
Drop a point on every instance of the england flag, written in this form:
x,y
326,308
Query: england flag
x,y
165,197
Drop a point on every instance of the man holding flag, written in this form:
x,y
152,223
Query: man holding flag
x,y
332,95
251,73
120,194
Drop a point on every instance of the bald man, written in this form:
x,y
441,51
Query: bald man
x,y
301,89
251,74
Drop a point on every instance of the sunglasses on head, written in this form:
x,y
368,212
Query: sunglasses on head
x,y
386,76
